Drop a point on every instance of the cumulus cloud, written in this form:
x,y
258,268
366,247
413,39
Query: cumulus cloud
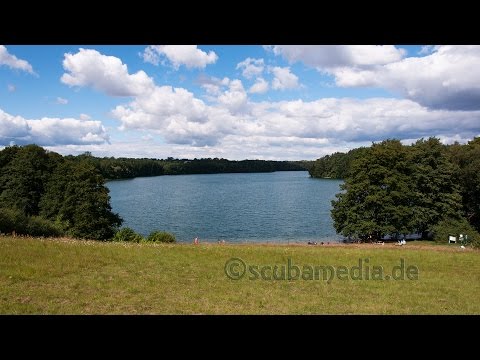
x,y
334,56
50,131
13,62
232,126
260,87
283,78
448,78
61,101
11,88
85,117
212,85
235,98
12,128
179,118
251,67
104,73
188,55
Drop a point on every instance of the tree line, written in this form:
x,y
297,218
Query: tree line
x,y
122,168
395,189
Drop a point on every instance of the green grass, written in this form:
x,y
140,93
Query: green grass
x,y
47,276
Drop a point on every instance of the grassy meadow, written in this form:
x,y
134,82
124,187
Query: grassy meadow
x,y
63,276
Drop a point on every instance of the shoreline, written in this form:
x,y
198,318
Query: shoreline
x,y
411,245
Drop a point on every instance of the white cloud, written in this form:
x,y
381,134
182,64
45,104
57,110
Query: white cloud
x,y
11,88
449,78
104,73
12,127
231,126
260,86
150,55
85,117
283,78
50,131
333,56
13,62
235,98
251,67
427,49
212,85
287,129
61,101
189,55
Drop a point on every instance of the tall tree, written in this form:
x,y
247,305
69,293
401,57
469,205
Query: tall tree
x,y
377,195
77,197
436,193
23,177
467,158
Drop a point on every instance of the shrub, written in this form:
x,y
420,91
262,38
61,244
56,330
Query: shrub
x,y
127,234
161,236
13,220
38,226
455,227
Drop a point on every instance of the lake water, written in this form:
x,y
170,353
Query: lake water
x,y
286,206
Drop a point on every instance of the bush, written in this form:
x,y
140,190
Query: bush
x,y
455,227
127,234
161,236
12,220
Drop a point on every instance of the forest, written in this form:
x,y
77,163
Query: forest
x,y
122,168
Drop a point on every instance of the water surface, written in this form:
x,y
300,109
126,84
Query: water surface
x,y
286,206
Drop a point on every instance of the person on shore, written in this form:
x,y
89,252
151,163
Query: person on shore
x,y
195,241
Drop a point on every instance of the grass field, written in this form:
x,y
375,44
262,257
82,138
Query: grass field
x,y
61,276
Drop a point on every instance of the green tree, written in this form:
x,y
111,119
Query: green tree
x,y
467,159
436,194
76,197
377,195
23,177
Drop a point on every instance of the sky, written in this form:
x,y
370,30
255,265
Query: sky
x,y
272,102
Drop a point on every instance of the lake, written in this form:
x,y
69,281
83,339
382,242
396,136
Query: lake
x,y
284,206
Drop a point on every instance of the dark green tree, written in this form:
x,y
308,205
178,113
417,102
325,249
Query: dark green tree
x,y
377,195
467,159
76,197
23,177
436,193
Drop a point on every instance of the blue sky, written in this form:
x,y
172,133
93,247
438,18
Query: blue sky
x,y
237,102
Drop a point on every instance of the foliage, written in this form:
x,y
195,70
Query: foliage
x,y
23,177
452,169
122,168
467,159
161,236
49,195
335,166
455,227
14,221
436,194
127,234
395,189
76,196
